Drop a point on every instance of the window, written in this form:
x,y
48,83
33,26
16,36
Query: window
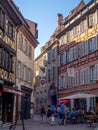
x,y
27,47
3,20
68,81
76,79
19,69
92,43
30,76
91,20
20,44
84,76
75,31
10,30
75,52
53,54
49,57
84,48
24,77
24,46
63,58
3,57
61,82
7,59
61,41
10,62
93,70
68,58
82,26
68,37
30,52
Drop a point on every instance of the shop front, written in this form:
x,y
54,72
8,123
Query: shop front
x,y
26,102
7,96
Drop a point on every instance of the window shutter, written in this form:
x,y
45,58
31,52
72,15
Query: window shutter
x,y
75,52
93,43
58,60
64,58
22,67
88,75
81,77
49,57
86,47
71,54
76,79
63,80
81,53
91,20
96,71
59,83
95,40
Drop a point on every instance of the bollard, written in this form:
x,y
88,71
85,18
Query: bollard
x,y
1,125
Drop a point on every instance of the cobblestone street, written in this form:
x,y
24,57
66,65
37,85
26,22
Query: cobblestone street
x,y
36,124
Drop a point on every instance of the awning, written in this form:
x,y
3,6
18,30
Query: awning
x,y
78,96
13,90
64,101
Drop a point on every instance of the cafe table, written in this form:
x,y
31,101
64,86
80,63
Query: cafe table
x,y
91,119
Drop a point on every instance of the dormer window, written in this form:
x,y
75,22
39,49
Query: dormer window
x,y
75,31
91,20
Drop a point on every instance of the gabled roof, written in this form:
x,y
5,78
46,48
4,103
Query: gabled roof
x,y
77,8
74,11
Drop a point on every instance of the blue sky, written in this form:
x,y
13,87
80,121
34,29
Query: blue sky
x,y
44,13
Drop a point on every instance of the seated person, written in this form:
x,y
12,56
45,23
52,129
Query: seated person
x,y
73,115
91,111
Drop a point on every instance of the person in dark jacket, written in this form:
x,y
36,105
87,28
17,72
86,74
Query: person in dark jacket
x,y
43,113
49,112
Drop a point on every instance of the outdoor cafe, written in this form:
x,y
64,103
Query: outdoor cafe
x,y
90,116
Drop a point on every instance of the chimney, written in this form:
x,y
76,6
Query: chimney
x,y
59,19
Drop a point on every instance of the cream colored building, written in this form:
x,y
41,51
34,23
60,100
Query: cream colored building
x,y
26,43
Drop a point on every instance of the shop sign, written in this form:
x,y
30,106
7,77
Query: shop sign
x,y
14,91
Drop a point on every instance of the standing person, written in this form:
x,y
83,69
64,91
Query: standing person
x,y
49,112
62,114
52,119
43,113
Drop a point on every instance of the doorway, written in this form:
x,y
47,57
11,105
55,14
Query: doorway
x,y
7,107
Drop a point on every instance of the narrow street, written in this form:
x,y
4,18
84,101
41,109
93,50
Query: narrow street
x,y
36,124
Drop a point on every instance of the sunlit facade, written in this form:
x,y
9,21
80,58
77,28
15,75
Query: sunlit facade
x,y
78,50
